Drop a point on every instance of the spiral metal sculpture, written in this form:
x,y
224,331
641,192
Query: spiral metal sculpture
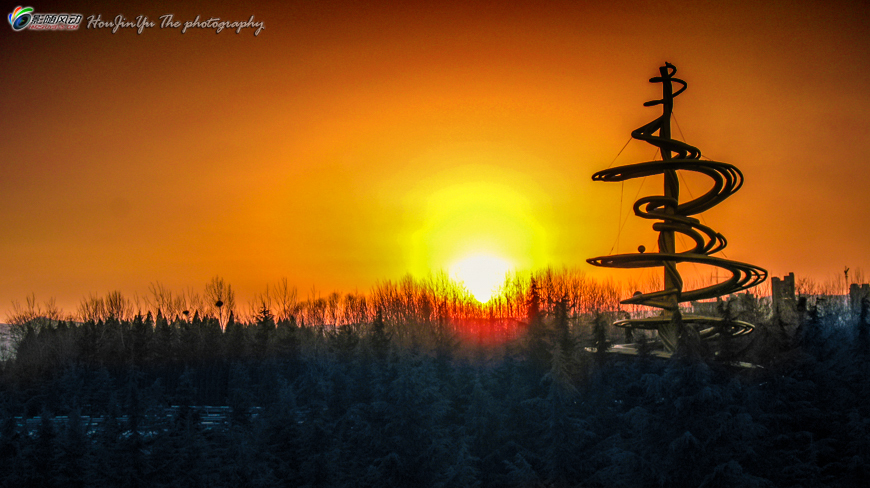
x,y
676,218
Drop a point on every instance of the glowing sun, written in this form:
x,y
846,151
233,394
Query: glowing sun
x,y
481,274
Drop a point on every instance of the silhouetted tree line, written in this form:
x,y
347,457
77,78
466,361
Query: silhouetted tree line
x,y
436,298
399,401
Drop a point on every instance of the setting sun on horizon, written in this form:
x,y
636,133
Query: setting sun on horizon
x,y
481,274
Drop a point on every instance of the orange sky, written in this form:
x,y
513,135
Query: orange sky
x,y
350,143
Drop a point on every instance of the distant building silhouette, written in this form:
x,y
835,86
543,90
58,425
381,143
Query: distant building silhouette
x,y
782,292
857,294
738,303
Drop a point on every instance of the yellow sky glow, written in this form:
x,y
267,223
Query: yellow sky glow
x,y
478,209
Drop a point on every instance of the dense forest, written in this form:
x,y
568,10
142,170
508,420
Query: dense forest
x,y
399,393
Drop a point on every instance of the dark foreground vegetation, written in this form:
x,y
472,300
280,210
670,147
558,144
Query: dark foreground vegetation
x,y
404,402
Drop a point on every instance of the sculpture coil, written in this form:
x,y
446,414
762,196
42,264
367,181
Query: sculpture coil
x,y
676,218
